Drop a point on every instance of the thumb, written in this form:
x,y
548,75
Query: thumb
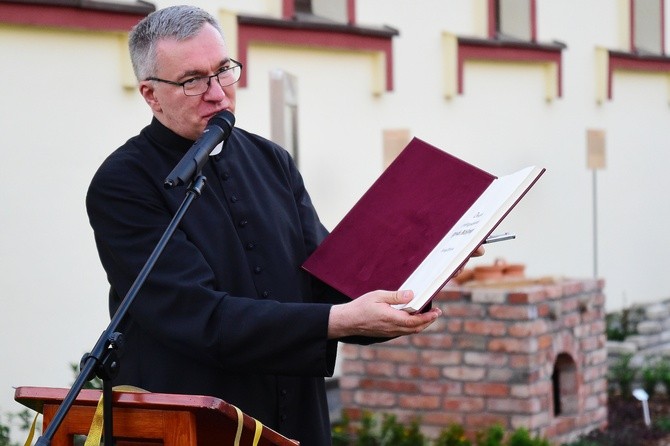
x,y
402,296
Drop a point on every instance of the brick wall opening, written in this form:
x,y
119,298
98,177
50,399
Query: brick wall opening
x,y
565,386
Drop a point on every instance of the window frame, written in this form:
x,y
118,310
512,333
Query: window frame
x,y
633,37
290,11
494,20
608,61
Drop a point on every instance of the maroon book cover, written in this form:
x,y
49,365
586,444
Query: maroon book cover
x,y
398,221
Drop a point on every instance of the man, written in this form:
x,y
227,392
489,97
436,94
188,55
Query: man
x,y
227,311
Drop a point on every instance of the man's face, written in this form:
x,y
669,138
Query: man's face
x,y
177,61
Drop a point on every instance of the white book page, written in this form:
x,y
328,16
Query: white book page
x,y
464,236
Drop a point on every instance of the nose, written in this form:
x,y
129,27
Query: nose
x,y
214,91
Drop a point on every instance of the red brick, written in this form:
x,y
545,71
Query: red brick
x,y
441,357
529,328
480,421
523,345
454,325
353,368
349,351
530,297
349,382
464,404
471,342
433,341
485,359
463,310
514,405
449,294
464,373
442,418
512,312
545,341
375,399
379,368
485,327
397,386
418,371
486,389
396,354
420,402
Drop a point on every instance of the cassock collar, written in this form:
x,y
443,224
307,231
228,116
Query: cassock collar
x,y
167,139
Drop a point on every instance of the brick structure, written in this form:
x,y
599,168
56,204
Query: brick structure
x,y
529,353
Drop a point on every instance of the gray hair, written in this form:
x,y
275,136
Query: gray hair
x,y
175,22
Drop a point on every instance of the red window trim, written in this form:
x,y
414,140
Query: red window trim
x,y
620,60
498,50
102,17
314,34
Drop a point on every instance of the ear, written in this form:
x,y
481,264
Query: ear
x,y
148,92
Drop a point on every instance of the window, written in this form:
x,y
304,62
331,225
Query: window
x,y
643,40
324,24
513,19
339,11
510,38
647,26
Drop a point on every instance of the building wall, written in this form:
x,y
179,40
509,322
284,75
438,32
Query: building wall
x,y
64,107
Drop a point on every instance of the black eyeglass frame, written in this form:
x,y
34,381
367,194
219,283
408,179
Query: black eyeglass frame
x,y
209,79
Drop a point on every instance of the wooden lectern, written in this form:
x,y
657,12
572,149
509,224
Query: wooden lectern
x,y
152,418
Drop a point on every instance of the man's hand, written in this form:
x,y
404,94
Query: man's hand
x,y
372,315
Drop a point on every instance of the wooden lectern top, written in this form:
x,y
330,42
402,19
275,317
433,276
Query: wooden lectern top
x,y
156,418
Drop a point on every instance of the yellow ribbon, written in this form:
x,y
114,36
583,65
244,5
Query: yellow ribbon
x,y
95,432
31,433
258,430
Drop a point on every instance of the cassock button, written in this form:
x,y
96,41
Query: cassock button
x,y
267,293
243,222
233,198
284,392
250,246
258,270
225,176
283,417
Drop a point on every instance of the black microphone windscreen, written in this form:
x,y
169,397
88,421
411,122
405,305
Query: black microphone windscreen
x,y
224,120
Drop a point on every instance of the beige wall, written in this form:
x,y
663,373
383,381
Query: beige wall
x,y
63,108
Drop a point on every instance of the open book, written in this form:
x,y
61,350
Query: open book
x,y
417,225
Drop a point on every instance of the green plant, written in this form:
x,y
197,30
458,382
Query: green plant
x,y
391,432
453,435
365,435
581,442
650,378
621,324
340,430
663,424
21,420
623,373
663,374
521,437
493,436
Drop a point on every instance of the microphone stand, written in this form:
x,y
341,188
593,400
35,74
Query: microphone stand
x,y
103,360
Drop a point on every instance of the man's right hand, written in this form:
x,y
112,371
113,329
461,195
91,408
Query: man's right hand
x,y
373,315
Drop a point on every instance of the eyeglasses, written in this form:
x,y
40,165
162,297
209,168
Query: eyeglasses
x,y
197,86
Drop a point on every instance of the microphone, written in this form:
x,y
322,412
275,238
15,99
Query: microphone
x,y
218,128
